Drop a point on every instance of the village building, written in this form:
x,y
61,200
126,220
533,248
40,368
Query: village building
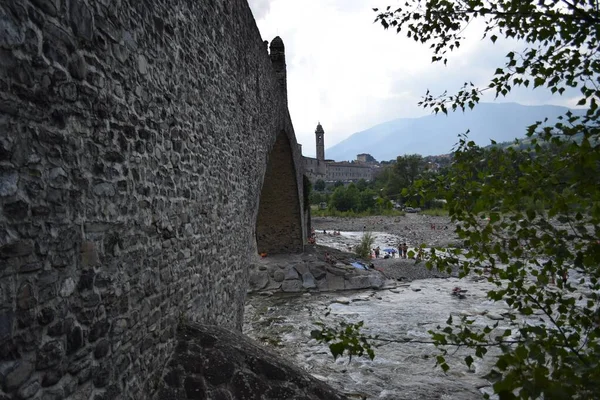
x,y
333,171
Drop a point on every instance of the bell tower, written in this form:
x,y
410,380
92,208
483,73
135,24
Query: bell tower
x,y
320,140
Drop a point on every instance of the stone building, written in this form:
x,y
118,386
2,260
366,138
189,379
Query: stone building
x,y
330,170
146,156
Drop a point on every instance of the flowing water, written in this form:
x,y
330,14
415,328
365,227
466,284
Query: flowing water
x,y
403,370
399,370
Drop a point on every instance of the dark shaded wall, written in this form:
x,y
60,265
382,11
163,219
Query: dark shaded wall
x,y
279,213
134,139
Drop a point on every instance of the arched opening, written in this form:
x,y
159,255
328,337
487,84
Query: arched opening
x,y
279,221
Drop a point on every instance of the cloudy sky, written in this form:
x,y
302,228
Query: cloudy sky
x,y
351,74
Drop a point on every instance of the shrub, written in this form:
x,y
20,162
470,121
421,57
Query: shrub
x,y
363,249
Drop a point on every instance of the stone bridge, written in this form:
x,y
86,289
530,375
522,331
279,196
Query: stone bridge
x,y
146,156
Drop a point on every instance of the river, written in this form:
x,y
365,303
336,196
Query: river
x,y
399,370
406,313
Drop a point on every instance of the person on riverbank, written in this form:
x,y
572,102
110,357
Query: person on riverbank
x,y
404,250
377,250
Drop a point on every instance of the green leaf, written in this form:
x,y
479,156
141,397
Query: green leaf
x,y
469,361
337,349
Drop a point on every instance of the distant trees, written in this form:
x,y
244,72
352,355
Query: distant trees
x,y
408,168
351,198
345,198
400,175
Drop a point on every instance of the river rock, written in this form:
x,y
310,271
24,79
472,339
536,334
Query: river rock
x,y
291,274
308,281
331,283
335,270
258,280
273,286
278,276
318,270
376,280
342,300
301,269
291,286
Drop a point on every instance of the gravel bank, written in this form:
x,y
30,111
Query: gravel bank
x,y
414,229
407,270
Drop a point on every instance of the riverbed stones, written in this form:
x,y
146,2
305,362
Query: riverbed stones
x,y
303,273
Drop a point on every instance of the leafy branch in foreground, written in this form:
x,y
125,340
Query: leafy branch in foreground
x,y
347,338
562,34
528,216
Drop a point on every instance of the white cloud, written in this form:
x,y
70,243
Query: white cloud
x,y
260,8
350,74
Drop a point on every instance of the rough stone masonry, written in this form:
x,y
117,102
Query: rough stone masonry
x,y
135,137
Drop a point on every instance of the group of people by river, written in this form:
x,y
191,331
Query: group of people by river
x,y
391,252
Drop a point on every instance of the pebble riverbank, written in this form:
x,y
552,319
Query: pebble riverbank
x,y
414,229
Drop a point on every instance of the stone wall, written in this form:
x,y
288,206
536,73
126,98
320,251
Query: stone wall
x,y
134,140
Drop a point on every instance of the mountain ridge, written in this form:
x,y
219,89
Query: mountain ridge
x,y
437,134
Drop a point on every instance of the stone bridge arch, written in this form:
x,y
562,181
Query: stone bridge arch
x,y
279,224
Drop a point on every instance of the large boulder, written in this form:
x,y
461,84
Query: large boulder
x,y
330,283
376,280
210,362
358,282
318,270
